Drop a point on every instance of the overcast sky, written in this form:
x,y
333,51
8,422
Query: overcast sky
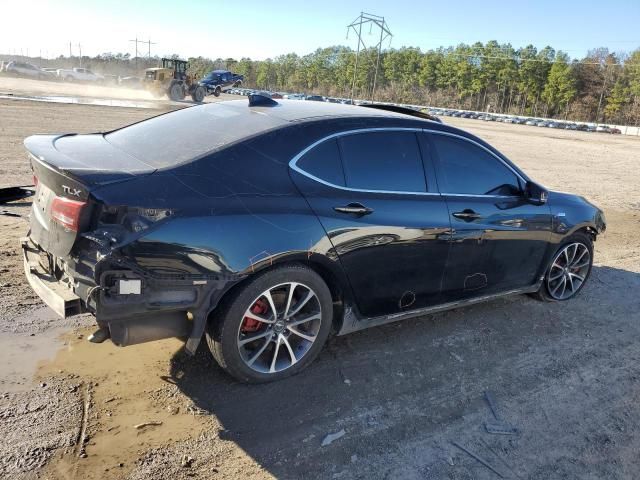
x,y
260,29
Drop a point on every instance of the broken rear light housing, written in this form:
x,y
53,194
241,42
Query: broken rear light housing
x,y
67,212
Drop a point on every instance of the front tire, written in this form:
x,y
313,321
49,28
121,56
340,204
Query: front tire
x,y
217,91
198,94
568,270
274,326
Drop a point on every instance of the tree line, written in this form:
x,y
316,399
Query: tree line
x,y
602,87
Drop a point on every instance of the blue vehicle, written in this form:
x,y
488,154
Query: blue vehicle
x,y
218,81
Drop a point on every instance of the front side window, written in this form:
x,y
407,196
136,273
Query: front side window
x,y
386,160
465,168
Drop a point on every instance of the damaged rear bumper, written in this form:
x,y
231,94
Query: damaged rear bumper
x,y
159,308
58,296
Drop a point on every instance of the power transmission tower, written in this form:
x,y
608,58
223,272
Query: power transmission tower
x,y
148,42
372,21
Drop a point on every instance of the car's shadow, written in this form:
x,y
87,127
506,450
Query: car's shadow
x,y
382,379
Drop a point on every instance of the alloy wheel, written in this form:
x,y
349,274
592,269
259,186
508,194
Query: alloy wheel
x,y
279,327
568,271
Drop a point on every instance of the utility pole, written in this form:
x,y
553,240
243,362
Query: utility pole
x,y
80,50
604,86
149,43
356,25
70,51
136,41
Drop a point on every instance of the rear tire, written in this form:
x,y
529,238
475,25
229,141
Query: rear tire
x,y
217,91
176,93
568,270
284,343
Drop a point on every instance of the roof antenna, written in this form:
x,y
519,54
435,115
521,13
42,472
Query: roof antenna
x,y
260,100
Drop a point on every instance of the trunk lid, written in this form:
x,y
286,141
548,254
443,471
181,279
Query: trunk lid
x,y
67,169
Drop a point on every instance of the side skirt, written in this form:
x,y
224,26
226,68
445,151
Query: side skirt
x,y
353,323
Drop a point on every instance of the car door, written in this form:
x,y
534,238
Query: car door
x,y
498,238
388,229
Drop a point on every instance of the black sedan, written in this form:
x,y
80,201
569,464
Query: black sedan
x,y
267,226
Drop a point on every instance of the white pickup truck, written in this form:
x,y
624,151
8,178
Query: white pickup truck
x,y
79,75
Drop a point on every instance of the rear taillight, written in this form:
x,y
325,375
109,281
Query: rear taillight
x,y
67,212
35,181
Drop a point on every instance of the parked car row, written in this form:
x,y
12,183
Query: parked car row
x,y
24,69
72,75
518,120
290,96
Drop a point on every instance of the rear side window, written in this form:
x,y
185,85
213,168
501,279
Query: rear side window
x,y
466,168
387,161
323,162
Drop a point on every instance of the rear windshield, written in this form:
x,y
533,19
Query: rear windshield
x,y
187,134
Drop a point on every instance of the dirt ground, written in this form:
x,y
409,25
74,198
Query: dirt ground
x,y
408,396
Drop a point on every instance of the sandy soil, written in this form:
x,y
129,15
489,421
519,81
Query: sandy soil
x,y
567,376
26,86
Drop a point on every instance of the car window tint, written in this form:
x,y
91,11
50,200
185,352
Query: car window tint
x,y
467,168
183,135
383,161
323,161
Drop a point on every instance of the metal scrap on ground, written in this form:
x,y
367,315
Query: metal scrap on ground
x,y
478,458
500,426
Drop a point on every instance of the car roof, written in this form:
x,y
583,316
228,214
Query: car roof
x,y
298,111
212,127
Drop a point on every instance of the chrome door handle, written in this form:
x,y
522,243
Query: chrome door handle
x,y
467,214
354,209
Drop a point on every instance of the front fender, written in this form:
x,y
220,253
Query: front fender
x,y
571,213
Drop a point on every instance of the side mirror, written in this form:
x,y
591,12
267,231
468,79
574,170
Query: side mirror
x,y
535,193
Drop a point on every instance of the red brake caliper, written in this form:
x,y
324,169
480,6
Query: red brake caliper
x,y
249,324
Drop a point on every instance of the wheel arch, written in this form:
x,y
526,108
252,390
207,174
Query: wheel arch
x,y
330,272
587,229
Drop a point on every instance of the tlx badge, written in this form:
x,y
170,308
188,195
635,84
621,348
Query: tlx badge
x,y
71,191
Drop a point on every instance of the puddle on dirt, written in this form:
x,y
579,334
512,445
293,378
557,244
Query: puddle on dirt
x,y
22,352
132,406
85,101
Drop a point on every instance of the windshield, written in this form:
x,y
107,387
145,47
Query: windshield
x,y
211,76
